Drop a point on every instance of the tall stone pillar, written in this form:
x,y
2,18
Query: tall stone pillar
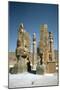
x,y
51,48
51,64
34,53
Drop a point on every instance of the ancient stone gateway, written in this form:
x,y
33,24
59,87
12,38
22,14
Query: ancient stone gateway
x,y
46,62
46,50
22,49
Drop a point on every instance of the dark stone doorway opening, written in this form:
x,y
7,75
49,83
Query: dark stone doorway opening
x,y
28,66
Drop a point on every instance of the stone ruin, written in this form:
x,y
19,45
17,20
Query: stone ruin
x,y
22,50
46,62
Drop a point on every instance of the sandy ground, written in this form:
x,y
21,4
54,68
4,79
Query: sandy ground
x,y
29,80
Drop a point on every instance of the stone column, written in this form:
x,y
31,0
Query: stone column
x,y
51,48
34,53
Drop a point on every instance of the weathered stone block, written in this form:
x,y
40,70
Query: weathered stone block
x,y
22,67
40,69
51,67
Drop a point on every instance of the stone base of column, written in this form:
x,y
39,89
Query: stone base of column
x,y
22,67
40,69
34,67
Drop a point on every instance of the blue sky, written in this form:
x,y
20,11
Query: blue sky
x,y
32,16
